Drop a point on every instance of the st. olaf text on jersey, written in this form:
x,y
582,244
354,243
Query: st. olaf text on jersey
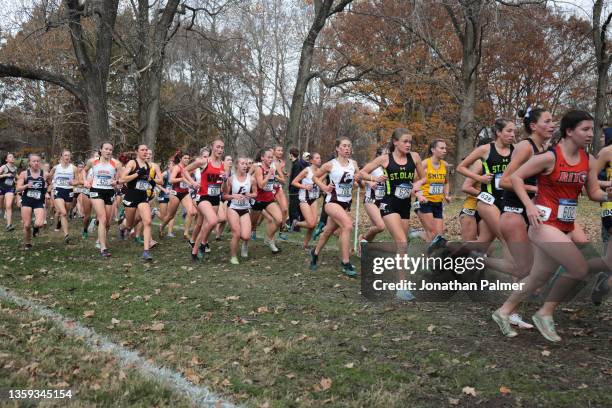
x,y
401,175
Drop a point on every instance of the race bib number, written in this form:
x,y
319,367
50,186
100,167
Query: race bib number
x,y
314,193
35,194
104,181
544,212
183,185
606,213
566,211
403,191
242,203
8,181
468,211
345,190
269,186
486,198
497,180
436,189
62,181
214,190
515,210
143,185
93,194
379,192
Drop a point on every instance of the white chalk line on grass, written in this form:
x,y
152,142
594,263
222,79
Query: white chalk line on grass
x,y
198,395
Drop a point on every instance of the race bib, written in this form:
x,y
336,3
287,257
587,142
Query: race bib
x,y
93,194
436,189
62,181
379,192
214,190
606,213
416,205
314,193
468,211
8,181
143,185
515,210
183,185
345,190
403,191
35,194
486,198
497,180
242,203
544,212
566,211
269,186
104,181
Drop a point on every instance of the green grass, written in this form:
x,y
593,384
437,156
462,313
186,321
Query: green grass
x,y
270,330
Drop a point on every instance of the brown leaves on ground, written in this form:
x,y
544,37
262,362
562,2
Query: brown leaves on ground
x,y
89,313
157,327
323,385
469,391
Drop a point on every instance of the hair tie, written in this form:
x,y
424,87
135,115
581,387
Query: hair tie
x,y
528,113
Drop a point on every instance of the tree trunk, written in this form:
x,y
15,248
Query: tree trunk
x,y
601,103
97,116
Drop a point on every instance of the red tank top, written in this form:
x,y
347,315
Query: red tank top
x,y
268,193
180,187
211,180
558,192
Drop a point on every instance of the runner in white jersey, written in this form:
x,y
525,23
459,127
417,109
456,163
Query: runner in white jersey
x,y
239,190
308,194
343,172
65,177
374,193
101,186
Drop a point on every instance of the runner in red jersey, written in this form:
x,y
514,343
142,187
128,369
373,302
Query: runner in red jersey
x,y
562,172
212,177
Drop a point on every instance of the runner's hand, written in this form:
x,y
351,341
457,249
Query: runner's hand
x,y
533,215
486,178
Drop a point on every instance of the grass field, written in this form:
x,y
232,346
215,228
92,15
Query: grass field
x,y
272,333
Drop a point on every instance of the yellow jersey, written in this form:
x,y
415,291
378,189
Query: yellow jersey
x,y
433,189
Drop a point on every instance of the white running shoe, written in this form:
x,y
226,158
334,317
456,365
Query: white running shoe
x,y
98,244
516,320
244,250
272,246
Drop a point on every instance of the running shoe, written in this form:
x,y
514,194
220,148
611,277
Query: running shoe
x,y
121,214
504,324
254,235
546,326
244,250
195,258
10,228
282,236
139,240
35,231
98,244
517,320
146,255
317,231
27,247
191,244
234,260
66,239
207,248
314,258
171,235
104,253
415,233
438,242
601,288
58,226
294,222
349,270
272,245
84,235
404,295
121,233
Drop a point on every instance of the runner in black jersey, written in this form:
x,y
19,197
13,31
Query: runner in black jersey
x,y
403,177
8,176
137,177
34,184
495,158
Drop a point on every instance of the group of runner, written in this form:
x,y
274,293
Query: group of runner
x,y
524,194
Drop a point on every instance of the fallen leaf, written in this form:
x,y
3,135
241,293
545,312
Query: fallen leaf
x,y
469,391
195,361
453,401
122,375
431,328
192,376
89,313
157,327
226,383
504,390
115,295
582,386
262,309
349,365
323,385
294,322
115,321
545,353
290,376
232,298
